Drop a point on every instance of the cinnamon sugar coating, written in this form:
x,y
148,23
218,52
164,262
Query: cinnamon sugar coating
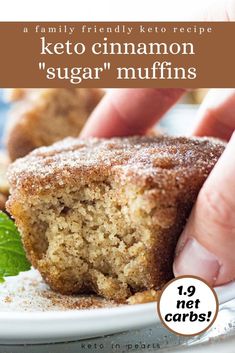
x,y
104,215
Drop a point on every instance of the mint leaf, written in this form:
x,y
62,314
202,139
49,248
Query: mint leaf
x,y
12,256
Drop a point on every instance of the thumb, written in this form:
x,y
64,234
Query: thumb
x,y
207,244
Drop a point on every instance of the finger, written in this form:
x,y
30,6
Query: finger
x,y
125,112
216,116
206,247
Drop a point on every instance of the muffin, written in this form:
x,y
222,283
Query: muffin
x,y
104,215
4,186
41,117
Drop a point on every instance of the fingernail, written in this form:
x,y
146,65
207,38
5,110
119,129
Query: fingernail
x,y
195,260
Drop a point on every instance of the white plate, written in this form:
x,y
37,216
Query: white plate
x,y
47,327
31,313
27,316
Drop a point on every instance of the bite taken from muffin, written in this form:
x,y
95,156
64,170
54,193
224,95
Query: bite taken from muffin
x,y
104,216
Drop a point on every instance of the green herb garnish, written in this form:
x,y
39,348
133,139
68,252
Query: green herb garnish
x,y
12,256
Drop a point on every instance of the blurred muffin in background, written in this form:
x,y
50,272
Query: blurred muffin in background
x,y
195,96
4,186
40,117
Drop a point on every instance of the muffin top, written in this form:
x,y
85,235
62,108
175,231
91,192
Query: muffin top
x,y
161,162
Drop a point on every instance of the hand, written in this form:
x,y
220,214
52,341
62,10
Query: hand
x,y
207,245
124,112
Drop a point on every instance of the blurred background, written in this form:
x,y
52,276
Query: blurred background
x,y
178,121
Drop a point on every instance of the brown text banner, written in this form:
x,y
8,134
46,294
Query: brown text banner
x,y
117,54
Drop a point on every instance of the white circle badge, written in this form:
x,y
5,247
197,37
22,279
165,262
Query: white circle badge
x,y
187,305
